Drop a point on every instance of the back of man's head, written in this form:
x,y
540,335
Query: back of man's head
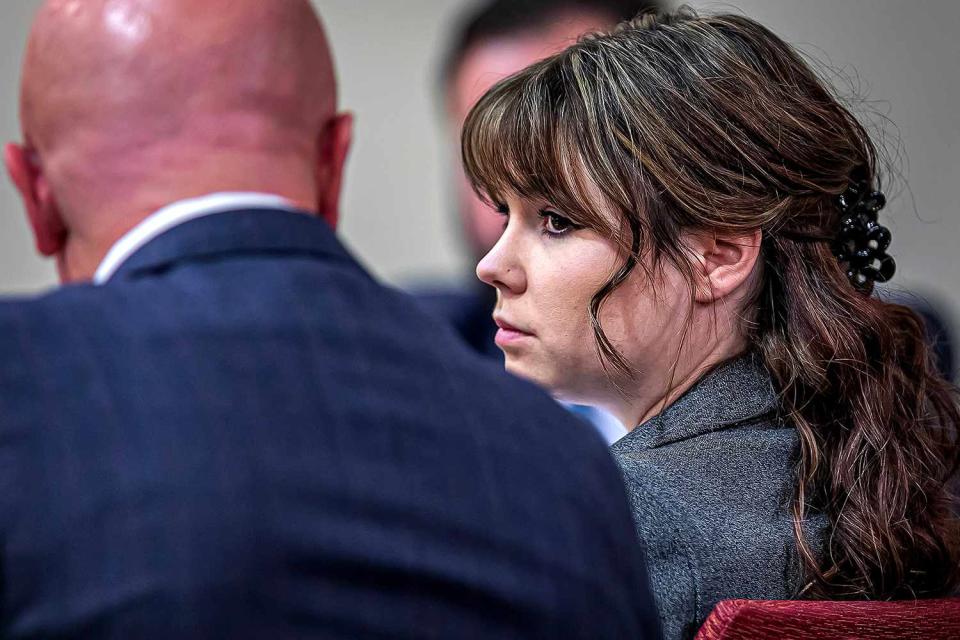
x,y
128,105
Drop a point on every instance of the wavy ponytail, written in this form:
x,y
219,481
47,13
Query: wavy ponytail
x,y
877,428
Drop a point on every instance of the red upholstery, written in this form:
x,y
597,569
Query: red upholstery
x,y
792,619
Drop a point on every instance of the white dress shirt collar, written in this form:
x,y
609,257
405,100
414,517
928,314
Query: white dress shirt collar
x,y
176,214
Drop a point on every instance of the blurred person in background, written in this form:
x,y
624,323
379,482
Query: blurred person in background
x,y
495,39
937,320
221,426
692,239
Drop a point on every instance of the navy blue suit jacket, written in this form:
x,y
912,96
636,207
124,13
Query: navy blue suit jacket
x,y
243,435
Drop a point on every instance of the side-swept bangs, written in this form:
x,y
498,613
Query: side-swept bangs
x,y
527,137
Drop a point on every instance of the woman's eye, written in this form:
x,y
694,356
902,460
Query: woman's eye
x,y
555,224
503,211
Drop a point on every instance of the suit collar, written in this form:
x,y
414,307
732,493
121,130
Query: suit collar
x,y
249,231
174,215
737,392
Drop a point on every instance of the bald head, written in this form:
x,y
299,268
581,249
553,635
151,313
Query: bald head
x,y
128,105
137,69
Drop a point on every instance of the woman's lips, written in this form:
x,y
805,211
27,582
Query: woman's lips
x,y
508,334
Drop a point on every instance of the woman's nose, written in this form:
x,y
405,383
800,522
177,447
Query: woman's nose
x,y
501,268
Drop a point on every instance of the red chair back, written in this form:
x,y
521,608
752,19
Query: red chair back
x,y
822,620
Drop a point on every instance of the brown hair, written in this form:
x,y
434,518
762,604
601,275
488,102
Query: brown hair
x,y
714,123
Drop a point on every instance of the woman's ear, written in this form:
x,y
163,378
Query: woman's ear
x,y
722,263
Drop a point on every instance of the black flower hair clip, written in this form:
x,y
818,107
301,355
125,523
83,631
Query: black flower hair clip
x,y
862,243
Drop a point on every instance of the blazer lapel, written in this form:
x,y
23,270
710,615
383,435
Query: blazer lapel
x,y
736,392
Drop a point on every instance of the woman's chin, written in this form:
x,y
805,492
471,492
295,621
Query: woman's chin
x,y
546,377
523,368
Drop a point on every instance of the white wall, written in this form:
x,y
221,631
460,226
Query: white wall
x,y
396,214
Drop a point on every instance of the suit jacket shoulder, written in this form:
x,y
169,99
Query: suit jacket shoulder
x,y
242,434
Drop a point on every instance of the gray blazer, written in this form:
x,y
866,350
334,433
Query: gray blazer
x,y
711,480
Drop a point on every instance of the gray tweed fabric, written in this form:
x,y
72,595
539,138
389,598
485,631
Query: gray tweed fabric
x,y
710,480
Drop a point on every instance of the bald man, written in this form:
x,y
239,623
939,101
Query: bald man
x,y
223,427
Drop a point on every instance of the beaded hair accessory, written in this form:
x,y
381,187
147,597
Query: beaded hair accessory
x,y
862,243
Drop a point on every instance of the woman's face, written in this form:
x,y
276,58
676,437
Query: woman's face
x,y
546,272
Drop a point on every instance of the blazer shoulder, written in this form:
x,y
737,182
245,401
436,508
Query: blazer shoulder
x,y
669,537
725,496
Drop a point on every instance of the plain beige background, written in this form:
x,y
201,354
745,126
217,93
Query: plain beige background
x,y
397,218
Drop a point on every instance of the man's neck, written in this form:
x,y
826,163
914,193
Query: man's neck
x,y
97,258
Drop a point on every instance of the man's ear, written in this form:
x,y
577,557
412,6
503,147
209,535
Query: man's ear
x,y
49,230
722,263
333,147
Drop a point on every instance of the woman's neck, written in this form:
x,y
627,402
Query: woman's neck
x,y
654,393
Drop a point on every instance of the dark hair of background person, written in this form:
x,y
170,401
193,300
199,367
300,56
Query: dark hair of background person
x,y
714,123
499,18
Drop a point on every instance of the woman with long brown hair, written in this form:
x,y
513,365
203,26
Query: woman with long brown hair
x,y
692,234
